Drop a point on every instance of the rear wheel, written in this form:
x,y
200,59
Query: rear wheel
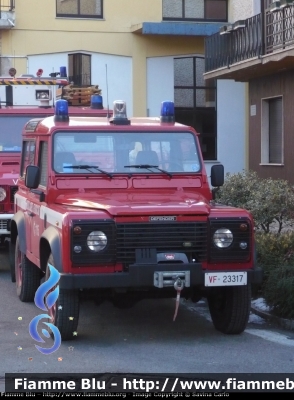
x,y
64,314
229,308
27,276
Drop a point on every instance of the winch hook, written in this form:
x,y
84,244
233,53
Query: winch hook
x,y
178,285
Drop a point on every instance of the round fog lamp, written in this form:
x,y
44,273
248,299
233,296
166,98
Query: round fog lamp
x,y
77,249
243,245
222,238
2,194
97,241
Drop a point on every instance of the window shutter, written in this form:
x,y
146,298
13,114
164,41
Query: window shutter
x,y
275,131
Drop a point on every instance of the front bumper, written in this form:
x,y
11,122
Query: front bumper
x,y
142,275
5,224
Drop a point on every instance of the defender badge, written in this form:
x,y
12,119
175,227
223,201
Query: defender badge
x,y
164,218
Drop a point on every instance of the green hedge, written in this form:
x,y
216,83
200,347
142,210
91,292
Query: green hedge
x,y
279,291
271,203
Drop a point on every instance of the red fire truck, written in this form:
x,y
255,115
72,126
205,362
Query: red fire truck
x,y
123,208
23,98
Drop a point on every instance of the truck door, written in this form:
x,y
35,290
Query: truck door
x,y
38,199
28,158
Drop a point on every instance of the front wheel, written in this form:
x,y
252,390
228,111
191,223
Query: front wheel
x,y
27,275
64,314
229,308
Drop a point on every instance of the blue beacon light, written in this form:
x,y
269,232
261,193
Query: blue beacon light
x,y
96,101
167,113
61,111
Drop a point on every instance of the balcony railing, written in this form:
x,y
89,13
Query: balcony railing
x,y
6,5
222,50
262,35
279,29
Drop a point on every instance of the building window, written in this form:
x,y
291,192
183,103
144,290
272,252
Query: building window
x,y
79,8
272,131
79,69
193,10
195,101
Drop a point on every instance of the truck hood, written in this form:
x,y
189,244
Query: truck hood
x,y
122,204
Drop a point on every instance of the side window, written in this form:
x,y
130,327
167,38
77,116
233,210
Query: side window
x,y
212,10
195,102
43,163
28,155
79,8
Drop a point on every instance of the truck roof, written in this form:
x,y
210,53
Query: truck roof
x,y
46,125
47,111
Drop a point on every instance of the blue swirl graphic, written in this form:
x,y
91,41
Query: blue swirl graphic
x,y
35,334
50,300
45,288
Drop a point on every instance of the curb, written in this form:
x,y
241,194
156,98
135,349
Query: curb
x,y
280,322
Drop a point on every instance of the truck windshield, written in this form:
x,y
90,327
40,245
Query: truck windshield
x,y
125,152
10,133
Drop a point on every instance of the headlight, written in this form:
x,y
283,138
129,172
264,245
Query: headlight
x,y
97,241
223,238
2,194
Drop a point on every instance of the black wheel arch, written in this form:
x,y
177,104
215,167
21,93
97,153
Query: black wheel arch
x,y
17,227
50,243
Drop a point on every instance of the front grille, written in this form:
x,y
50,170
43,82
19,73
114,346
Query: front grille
x,y
233,253
3,224
163,237
13,190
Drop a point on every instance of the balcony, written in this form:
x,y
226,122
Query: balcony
x,y
187,17
7,14
258,46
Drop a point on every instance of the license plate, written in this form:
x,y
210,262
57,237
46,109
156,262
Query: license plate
x,y
225,278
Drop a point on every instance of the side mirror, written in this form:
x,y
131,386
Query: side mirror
x,y
32,178
217,175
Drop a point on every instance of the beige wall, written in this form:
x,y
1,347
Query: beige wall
x,y
147,47
119,16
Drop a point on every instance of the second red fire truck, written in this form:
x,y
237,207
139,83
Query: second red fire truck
x,y
22,99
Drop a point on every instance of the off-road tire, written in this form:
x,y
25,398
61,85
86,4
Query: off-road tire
x,y
12,261
65,318
229,308
27,276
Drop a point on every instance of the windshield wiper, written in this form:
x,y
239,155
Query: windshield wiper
x,y
147,166
88,168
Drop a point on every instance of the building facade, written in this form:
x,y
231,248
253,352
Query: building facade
x,y
140,51
259,50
